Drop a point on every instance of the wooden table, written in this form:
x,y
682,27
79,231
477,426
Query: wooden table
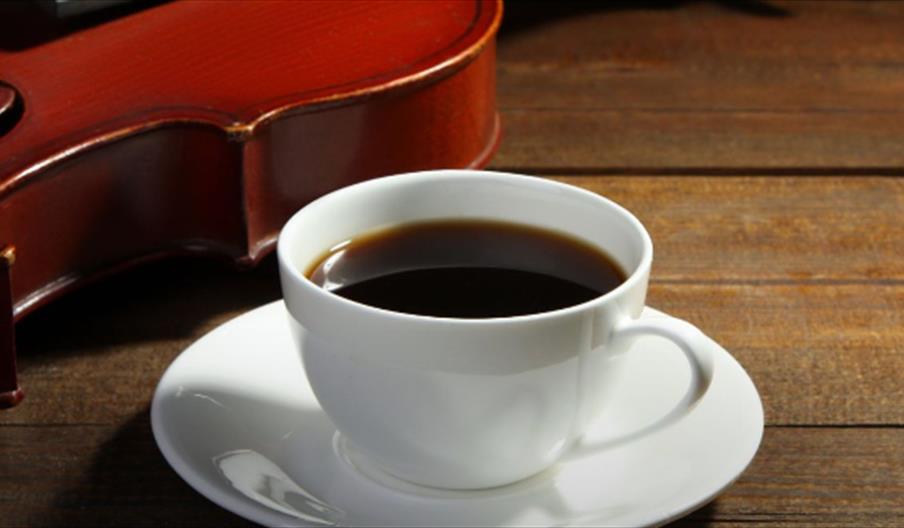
x,y
762,145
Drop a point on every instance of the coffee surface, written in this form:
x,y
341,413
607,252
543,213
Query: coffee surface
x,y
466,269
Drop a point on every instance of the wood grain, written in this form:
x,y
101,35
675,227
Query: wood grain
x,y
800,475
690,85
112,341
756,229
760,144
820,354
579,141
96,476
704,56
818,477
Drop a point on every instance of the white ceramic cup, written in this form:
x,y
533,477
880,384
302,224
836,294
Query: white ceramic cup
x,y
470,403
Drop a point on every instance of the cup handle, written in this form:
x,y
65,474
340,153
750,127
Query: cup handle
x,y
692,342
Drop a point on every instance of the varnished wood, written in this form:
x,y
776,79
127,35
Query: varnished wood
x,y
798,273
10,108
198,128
7,99
222,73
197,138
10,392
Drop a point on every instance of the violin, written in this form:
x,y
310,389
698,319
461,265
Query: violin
x,y
198,128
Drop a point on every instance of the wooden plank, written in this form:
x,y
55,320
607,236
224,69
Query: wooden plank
x,y
702,85
819,354
753,229
103,476
819,477
703,56
96,355
563,141
801,278
96,476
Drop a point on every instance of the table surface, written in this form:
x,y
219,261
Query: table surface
x,y
761,143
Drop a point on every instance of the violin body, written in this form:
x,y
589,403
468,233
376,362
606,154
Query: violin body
x,y
200,127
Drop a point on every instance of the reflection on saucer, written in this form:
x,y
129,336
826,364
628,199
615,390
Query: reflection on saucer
x,y
259,479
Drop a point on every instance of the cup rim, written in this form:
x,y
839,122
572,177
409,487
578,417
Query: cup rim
x,y
297,275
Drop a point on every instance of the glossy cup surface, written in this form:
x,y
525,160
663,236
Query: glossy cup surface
x,y
460,403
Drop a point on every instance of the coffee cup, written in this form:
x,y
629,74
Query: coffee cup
x,y
471,403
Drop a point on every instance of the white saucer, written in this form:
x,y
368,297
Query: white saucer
x,y
235,417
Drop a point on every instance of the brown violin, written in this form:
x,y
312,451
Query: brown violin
x,y
195,127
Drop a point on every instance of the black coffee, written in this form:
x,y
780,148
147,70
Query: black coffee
x,y
467,269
